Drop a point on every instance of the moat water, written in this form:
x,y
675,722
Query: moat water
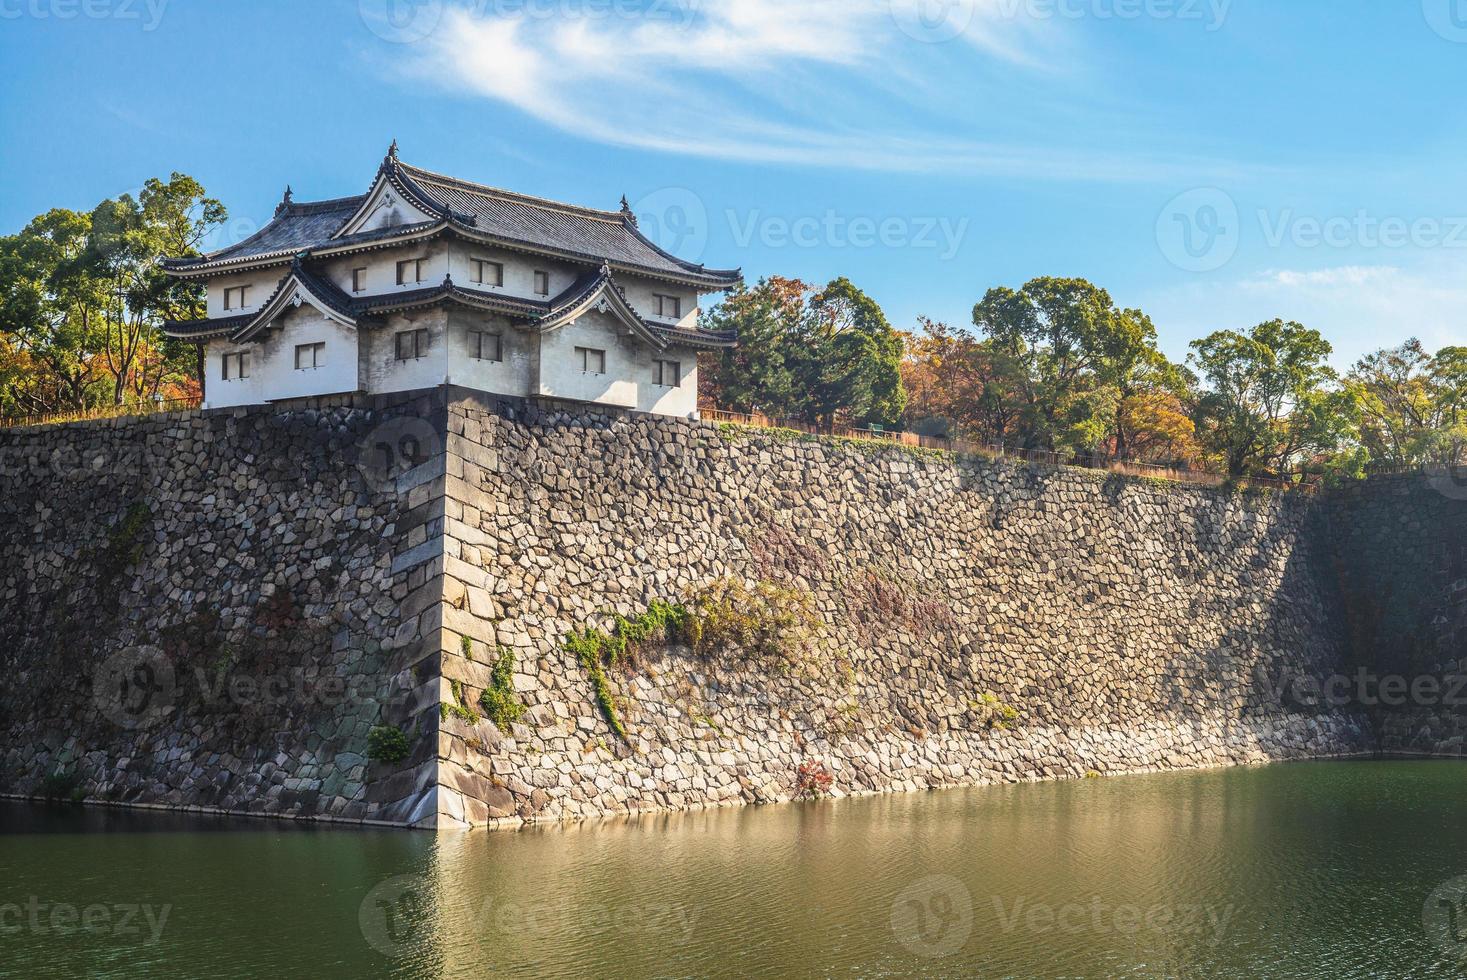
x,y
1312,870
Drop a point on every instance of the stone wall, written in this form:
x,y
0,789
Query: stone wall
x,y
1400,547
213,610
163,576
1129,622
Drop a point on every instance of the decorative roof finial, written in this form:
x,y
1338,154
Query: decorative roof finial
x,y
285,201
392,151
626,210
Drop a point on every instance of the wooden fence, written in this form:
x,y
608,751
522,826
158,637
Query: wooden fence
x,y
104,412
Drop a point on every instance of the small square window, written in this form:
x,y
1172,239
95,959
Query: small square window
x,y
410,271
542,283
236,365
412,344
593,361
234,297
358,280
486,346
669,374
308,357
488,273
669,306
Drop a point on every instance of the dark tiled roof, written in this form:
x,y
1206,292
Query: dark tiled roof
x,y
205,329
473,211
605,235
295,227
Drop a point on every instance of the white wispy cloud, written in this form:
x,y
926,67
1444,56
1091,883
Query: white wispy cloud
x,y
839,83
1360,308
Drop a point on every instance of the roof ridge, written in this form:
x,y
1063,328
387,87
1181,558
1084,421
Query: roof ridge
x,y
613,217
310,207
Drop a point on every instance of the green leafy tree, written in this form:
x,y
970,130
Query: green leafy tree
x,y
818,356
82,299
1081,365
1272,404
756,376
50,315
128,238
848,359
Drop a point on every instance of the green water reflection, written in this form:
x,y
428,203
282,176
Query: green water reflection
x,y
1319,870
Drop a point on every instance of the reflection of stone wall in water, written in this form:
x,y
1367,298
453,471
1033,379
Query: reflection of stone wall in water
x,y
201,559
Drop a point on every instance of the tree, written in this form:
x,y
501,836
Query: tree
x,y
128,237
818,356
1412,404
50,315
967,383
847,359
755,375
82,299
1272,403
1085,369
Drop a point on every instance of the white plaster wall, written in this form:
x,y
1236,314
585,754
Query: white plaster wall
x,y
274,361
382,372
639,293
261,285
236,391
387,209
511,376
665,400
560,367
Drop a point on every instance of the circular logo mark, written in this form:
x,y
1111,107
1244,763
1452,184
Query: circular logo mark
x,y
676,219
1444,916
934,917
1448,18
1448,479
401,21
1199,231
394,448
393,913
135,689
932,21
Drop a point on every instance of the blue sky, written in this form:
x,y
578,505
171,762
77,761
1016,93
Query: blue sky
x,y
1213,162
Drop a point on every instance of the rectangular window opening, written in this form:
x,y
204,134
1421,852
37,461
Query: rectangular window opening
x,y
484,346
410,271
593,361
668,373
412,344
308,357
542,283
488,273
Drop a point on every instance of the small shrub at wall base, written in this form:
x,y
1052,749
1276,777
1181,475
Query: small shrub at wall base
x,y
387,744
63,784
813,780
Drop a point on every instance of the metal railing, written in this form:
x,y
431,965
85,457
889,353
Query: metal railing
x,y
103,412
1126,467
